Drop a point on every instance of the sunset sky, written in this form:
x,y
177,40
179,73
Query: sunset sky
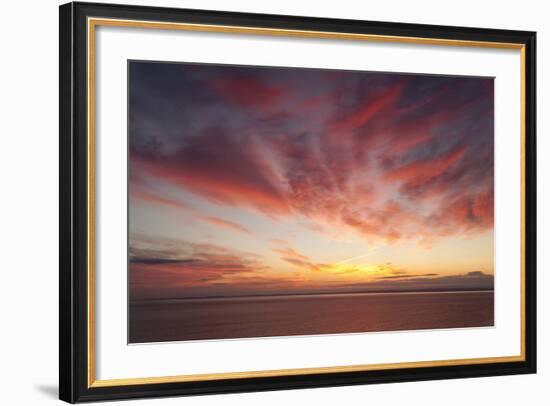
x,y
253,180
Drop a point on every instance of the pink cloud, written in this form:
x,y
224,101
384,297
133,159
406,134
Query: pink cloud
x,y
391,177
220,171
423,170
369,109
230,225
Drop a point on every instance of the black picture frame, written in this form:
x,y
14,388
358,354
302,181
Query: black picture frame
x,y
74,384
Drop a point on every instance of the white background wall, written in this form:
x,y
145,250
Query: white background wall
x,y
29,188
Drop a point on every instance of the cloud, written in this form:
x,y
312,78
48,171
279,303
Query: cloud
x,y
165,268
402,282
421,171
408,276
472,213
392,222
156,273
366,110
248,91
156,199
480,281
389,157
219,168
290,253
219,222
296,259
159,261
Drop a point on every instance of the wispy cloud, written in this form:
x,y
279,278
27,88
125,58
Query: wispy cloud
x,y
230,225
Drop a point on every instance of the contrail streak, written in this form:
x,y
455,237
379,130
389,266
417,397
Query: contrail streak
x,y
358,257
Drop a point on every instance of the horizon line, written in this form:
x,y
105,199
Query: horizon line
x,y
443,290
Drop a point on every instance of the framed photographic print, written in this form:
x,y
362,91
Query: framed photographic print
x,y
256,202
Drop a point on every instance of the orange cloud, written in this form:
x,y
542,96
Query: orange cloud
x,y
156,199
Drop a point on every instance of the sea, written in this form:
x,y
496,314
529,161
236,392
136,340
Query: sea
x,y
306,314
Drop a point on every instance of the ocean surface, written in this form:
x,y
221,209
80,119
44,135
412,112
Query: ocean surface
x,y
269,316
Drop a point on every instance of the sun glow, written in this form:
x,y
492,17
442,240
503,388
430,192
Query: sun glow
x,y
359,271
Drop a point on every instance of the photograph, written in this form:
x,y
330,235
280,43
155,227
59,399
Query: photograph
x,y
284,201
258,199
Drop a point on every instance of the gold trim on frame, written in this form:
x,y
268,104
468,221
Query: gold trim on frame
x,y
94,22
298,371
